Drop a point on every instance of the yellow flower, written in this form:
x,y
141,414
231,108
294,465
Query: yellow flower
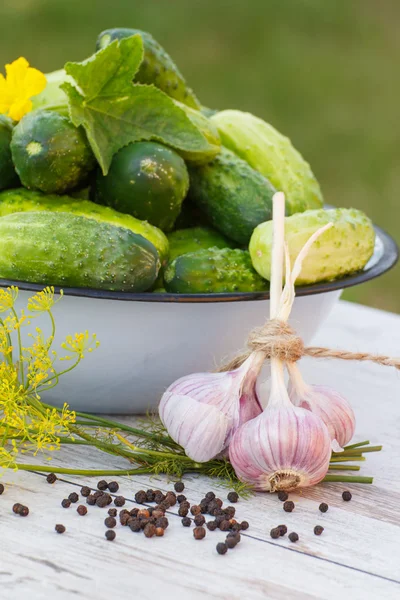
x,y
43,301
17,88
80,343
8,296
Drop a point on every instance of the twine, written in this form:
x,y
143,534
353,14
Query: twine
x,y
277,339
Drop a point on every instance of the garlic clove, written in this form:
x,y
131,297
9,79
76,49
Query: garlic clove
x,y
284,448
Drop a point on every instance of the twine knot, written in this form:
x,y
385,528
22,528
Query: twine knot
x,y
277,339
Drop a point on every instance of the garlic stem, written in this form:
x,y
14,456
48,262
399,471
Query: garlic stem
x,y
278,236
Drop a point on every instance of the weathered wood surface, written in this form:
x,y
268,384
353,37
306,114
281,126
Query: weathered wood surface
x,y
356,556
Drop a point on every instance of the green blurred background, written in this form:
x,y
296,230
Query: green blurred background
x,y
324,73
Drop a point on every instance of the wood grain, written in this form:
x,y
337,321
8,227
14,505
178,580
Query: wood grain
x,y
355,557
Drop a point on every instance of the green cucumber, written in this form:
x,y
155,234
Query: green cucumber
x,y
146,180
213,271
68,250
157,67
192,239
49,153
235,197
22,200
8,176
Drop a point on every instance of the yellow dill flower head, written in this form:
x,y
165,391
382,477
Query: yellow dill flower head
x,y
17,88
80,343
43,301
8,296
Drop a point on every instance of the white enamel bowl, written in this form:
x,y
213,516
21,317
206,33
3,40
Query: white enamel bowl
x,y
149,340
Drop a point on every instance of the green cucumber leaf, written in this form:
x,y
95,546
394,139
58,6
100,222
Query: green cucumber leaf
x,y
115,112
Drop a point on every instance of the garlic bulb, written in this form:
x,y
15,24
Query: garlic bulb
x,y
202,411
326,403
285,447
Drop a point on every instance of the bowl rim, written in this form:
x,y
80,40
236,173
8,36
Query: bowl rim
x,y
387,260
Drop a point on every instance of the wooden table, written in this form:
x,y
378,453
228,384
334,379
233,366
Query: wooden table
x,y
357,556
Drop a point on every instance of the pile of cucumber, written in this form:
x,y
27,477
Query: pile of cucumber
x,y
162,219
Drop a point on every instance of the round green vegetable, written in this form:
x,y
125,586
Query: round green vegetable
x,y
344,248
146,180
8,176
69,250
49,153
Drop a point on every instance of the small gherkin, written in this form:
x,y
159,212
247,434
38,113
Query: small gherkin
x,y
215,270
157,67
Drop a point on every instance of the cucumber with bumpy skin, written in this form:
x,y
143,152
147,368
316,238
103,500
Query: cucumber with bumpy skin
x,y
192,239
343,249
157,67
8,176
235,197
22,200
69,250
213,271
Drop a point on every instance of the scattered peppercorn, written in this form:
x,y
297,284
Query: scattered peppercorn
x,y
16,508
140,497
133,512
157,513
195,509
199,520
159,531
162,522
236,527
110,535
230,511
282,530
283,496
323,507
346,496
180,498
170,498
124,518
112,512
199,533
210,495
97,494
23,511
150,495
204,506
110,522
73,497
158,496
212,525
150,530
318,529
51,478
143,514
60,528
134,524
233,497
113,487
293,537
244,525
81,510
91,500
85,491
179,486
186,521
222,548
1,488
235,535
183,511
119,501
230,542
66,503
288,506
218,502
275,533
102,501
102,485
225,525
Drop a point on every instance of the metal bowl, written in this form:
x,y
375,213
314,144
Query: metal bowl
x,y
149,340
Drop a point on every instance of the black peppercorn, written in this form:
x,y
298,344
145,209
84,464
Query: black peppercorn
x,y
134,524
158,496
293,537
275,533
195,509
212,525
66,503
51,478
119,501
73,497
97,494
179,486
199,520
288,506
219,518
110,522
159,531
224,525
170,498
140,497
102,501
125,518
318,529
133,512
346,496
85,491
91,500
283,496
233,497
149,530
150,495
210,495
81,510
112,512
323,507
186,521
204,506
162,522
102,485
1,488
113,487
230,542
244,525
183,511
230,511
235,535
110,535
16,508
23,511
222,548
180,498
218,502
282,530
199,533
60,528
